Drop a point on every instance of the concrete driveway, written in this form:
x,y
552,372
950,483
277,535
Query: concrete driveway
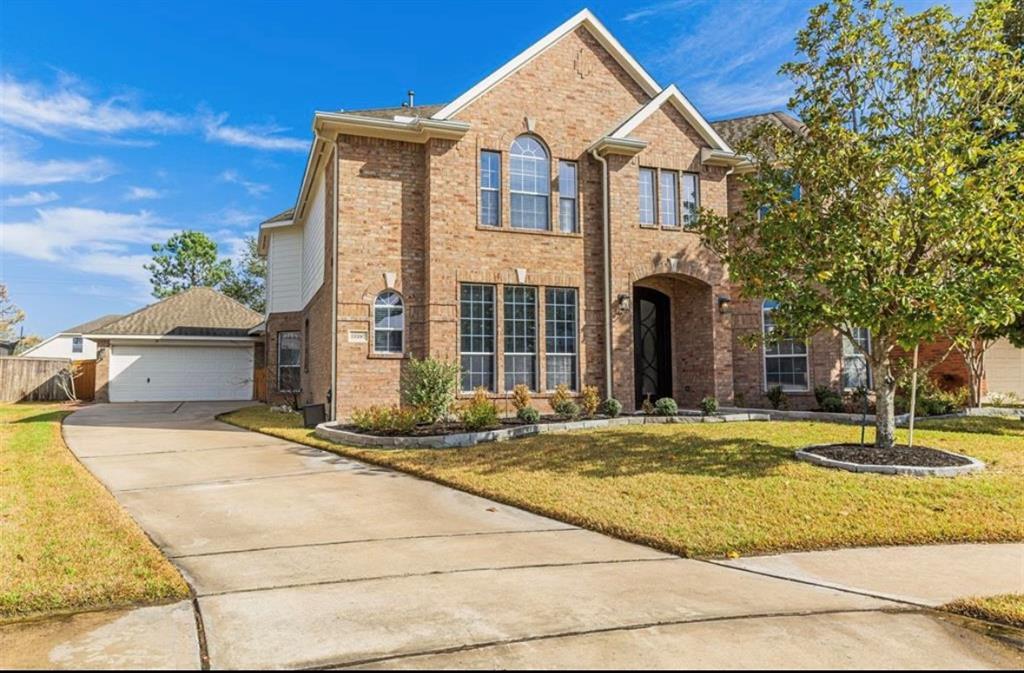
x,y
300,558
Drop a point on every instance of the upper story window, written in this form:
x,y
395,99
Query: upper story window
x,y
388,323
288,352
668,200
530,184
647,195
490,188
76,344
567,195
856,369
785,358
691,198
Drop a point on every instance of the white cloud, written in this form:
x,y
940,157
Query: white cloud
x,y
255,137
656,9
734,98
257,189
233,217
32,198
143,193
16,169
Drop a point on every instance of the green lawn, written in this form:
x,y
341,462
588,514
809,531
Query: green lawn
x,y
1003,609
720,489
65,544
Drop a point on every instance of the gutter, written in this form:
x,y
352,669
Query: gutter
x,y
607,260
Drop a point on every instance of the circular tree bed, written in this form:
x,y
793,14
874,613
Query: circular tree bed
x,y
917,460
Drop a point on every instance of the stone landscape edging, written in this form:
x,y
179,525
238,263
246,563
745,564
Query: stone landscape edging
x,y
974,465
332,433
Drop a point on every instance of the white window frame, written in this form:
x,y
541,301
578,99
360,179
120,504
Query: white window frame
x,y
297,366
806,355
856,355
689,218
389,329
543,176
653,172
506,354
495,190
77,344
492,354
668,188
573,197
575,355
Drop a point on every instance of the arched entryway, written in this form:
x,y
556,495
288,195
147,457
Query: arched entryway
x,y
652,344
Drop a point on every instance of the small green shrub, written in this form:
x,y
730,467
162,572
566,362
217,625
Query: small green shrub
x,y
520,397
561,395
480,412
590,401
528,415
709,406
566,409
612,407
829,400
778,398
385,420
429,385
666,406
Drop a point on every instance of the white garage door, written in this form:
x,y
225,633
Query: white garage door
x,y
1004,368
169,373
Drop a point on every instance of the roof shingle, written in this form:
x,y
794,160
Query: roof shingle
x,y
199,311
92,325
739,128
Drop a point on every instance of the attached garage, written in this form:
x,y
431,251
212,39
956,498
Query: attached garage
x,y
1004,369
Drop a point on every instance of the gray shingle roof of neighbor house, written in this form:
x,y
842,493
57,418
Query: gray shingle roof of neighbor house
x,y
739,128
402,111
199,311
93,325
283,216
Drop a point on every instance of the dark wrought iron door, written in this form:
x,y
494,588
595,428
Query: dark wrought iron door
x,y
652,345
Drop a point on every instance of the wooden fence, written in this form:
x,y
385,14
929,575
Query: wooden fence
x,y
31,379
85,380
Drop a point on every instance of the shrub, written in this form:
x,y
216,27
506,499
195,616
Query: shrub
x,y
590,401
528,415
520,397
612,407
566,409
480,412
708,406
828,400
560,396
648,406
386,420
666,406
778,398
429,385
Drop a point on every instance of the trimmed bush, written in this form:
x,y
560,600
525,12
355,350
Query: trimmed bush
x,y
829,400
480,412
777,397
566,409
612,407
590,401
429,386
666,406
528,415
560,396
386,420
520,397
709,406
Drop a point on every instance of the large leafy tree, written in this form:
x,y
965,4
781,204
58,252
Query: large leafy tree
x,y
910,179
247,281
188,259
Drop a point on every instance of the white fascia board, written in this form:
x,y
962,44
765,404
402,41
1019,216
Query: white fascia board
x,y
675,96
720,158
625,146
583,18
408,129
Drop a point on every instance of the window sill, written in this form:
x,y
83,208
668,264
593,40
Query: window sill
x,y
536,232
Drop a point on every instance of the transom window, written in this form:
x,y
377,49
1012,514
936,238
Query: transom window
x,y
856,369
691,198
289,348
476,336
567,191
520,336
530,184
668,198
490,188
647,194
388,323
560,336
785,358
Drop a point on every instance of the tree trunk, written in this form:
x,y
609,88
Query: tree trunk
x,y
885,412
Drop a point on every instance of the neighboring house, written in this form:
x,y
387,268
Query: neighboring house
x,y
194,345
71,343
537,230
7,347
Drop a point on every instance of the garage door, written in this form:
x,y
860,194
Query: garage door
x,y
1004,368
167,373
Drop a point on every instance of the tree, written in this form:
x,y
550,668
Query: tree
x,y
26,342
10,315
188,259
908,181
247,281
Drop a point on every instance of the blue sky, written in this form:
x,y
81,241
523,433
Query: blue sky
x,y
123,122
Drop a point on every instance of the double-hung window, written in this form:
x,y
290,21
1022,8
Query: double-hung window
x,y
785,358
668,198
77,344
567,195
289,349
856,370
529,184
490,188
476,336
520,321
560,336
647,197
388,323
691,198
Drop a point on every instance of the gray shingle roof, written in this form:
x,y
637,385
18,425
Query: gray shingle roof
x,y
200,311
390,112
739,128
280,217
92,325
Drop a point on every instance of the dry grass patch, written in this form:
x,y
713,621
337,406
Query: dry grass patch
x,y
65,544
1003,609
714,489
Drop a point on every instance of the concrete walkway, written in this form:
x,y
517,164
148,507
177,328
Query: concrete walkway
x,y
300,558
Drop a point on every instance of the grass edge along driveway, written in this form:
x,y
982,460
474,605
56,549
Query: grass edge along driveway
x,y
721,489
65,543
1005,609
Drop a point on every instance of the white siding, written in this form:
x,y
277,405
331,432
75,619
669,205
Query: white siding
x,y
313,243
284,270
60,347
178,373
1004,368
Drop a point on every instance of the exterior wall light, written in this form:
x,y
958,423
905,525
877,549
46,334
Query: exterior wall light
x,y
723,304
624,303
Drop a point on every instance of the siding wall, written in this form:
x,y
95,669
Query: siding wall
x,y
313,244
285,270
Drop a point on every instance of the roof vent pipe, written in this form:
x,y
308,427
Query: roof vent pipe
x,y
412,99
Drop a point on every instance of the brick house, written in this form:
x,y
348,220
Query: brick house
x,y
536,230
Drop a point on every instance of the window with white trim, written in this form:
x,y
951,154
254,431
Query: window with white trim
x,y
289,350
668,198
388,323
785,358
77,344
490,188
691,198
560,336
647,197
567,195
529,184
856,369
476,336
520,319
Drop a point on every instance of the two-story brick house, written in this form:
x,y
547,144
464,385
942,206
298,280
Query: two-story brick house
x,y
536,230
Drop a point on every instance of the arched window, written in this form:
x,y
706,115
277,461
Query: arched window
x,y
388,323
785,358
530,184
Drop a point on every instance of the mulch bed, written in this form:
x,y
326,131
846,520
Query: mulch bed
x,y
917,456
440,429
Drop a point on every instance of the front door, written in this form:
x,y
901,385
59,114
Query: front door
x,y
652,347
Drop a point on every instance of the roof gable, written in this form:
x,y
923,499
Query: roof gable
x,y
672,95
199,311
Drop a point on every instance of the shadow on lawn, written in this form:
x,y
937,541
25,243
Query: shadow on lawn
x,y
46,417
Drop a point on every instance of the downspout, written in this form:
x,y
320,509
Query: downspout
x,y
607,259
334,286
